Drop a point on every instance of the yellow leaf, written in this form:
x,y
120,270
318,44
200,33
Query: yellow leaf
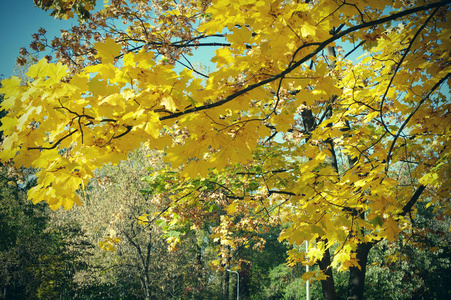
x,y
391,229
307,30
10,87
57,71
308,275
240,37
231,208
107,51
81,81
143,220
151,125
321,277
39,69
371,116
8,125
169,103
211,27
68,15
194,169
215,262
23,120
223,57
144,59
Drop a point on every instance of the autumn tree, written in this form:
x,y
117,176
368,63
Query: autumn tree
x,y
133,254
403,269
37,260
284,129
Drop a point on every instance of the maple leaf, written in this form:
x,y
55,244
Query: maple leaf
x,y
391,228
39,70
108,50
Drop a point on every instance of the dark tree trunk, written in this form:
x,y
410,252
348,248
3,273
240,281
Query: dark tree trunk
x,y
226,284
234,289
356,284
327,285
245,280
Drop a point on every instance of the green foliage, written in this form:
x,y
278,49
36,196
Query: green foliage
x,y
257,265
37,261
140,264
417,266
279,280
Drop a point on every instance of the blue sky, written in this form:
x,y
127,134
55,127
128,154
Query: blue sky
x,y
19,19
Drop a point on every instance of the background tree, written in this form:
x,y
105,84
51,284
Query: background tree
x,y
133,252
38,261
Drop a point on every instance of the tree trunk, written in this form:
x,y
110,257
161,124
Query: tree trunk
x,y
234,290
356,284
245,280
328,285
226,284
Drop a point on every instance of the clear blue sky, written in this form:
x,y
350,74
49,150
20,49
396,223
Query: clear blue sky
x,y
19,19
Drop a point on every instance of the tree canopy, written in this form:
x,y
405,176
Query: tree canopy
x,y
67,8
286,128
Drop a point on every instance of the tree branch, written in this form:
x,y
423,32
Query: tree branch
x,y
389,154
398,66
56,143
295,65
408,207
